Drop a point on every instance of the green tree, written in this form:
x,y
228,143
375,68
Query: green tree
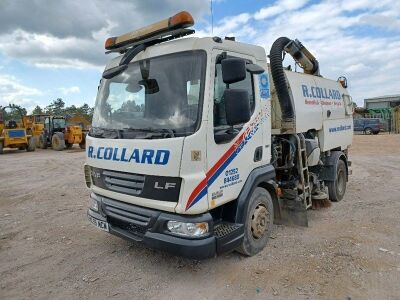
x,y
37,110
56,107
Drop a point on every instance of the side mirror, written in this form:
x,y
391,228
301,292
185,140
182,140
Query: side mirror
x,y
233,70
237,106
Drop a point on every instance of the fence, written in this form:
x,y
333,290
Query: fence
x,y
390,118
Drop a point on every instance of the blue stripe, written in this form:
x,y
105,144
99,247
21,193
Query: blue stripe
x,y
199,196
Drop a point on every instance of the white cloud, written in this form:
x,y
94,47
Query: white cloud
x,y
70,90
13,91
278,8
65,33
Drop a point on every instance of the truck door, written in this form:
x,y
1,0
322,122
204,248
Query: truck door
x,y
231,153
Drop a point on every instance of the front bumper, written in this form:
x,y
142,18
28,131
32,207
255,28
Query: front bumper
x,y
148,226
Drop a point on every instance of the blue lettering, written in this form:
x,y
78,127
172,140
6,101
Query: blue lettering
x,y
135,156
318,92
147,155
123,155
162,157
115,158
305,91
90,151
98,153
312,91
108,153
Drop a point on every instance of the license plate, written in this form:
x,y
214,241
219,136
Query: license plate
x,y
99,224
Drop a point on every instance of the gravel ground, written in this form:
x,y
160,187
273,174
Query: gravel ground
x,y
48,249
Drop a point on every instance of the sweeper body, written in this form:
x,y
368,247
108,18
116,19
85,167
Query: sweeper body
x,y
199,145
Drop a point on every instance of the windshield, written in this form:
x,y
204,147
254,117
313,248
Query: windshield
x,y
59,123
157,95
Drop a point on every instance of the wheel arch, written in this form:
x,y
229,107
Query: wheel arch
x,y
259,177
331,161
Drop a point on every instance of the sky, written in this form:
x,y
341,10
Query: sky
x,y
55,49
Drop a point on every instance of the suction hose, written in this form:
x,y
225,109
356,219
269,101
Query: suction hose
x,y
278,76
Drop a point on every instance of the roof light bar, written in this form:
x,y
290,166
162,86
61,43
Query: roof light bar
x,y
180,20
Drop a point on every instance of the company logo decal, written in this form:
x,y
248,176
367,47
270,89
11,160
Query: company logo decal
x,y
145,156
264,86
340,128
201,189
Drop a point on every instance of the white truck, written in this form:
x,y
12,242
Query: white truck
x,y
199,145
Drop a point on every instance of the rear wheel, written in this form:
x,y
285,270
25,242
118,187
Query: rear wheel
x,y
31,145
82,144
337,188
259,222
57,141
368,130
1,148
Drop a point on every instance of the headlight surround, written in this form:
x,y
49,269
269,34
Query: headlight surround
x,y
188,229
93,204
88,179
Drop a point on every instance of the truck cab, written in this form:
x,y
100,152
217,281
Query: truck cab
x,y
179,155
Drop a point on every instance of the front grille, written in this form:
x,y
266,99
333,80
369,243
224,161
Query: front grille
x,y
121,182
133,219
161,188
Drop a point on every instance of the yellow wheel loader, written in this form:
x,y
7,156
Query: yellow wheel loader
x,y
60,136
13,132
35,125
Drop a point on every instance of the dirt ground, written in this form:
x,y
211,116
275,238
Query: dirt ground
x,y
48,249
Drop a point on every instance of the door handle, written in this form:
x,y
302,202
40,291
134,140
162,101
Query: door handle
x,y
258,154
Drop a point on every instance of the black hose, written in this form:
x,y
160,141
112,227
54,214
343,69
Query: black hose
x,y
278,76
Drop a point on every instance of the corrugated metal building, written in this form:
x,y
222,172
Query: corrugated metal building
x,y
390,101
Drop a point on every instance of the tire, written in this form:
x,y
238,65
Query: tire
x,y
42,142
31,145
259,222
68,145
58,142
1,148
376,132
36,139
337,188
82,145
368,131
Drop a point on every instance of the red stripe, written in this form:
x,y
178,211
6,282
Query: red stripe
x,y
225,156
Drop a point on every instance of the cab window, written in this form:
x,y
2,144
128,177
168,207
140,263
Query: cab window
x,y
220,124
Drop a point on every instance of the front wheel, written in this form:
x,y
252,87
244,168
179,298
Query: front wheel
x,y
259,222
31,145
42,142
337,188
57,141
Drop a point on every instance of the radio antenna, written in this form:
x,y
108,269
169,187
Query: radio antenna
x,y
212,17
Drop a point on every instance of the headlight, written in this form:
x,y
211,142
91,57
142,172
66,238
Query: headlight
x,y
93,204
188,229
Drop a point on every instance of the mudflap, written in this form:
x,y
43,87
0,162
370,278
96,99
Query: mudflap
x,y
293,212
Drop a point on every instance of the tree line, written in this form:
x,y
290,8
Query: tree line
x,y
57,108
